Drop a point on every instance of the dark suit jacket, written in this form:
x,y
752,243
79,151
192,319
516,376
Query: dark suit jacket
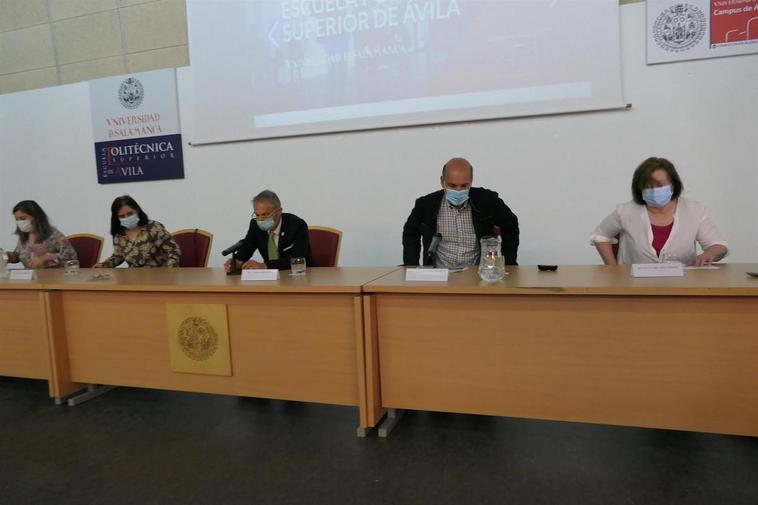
x,y
293,243
488,211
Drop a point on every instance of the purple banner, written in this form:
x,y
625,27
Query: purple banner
x,y
142,159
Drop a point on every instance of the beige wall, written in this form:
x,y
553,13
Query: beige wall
x,y
49,42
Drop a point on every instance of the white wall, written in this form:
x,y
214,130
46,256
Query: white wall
x,y
560,174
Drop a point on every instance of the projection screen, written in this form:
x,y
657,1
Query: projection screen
x,y
272,68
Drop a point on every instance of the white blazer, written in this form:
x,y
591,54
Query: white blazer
x,y
631,223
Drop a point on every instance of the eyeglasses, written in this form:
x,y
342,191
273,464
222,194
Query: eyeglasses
x,y
263,217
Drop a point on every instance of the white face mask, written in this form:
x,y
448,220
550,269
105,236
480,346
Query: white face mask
x,y
24,225
129,222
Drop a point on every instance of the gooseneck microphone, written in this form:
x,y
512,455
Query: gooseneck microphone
x,y
432,251
234,248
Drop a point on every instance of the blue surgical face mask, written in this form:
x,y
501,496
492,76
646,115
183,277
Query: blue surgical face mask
x,y
456,197
657,197
266,224
129,222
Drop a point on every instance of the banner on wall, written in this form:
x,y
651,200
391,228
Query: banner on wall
x,y
135,119
696,29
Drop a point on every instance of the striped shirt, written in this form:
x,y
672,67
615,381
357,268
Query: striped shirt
x,y
458,246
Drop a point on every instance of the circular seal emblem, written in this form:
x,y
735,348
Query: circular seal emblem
x,y
197,339
131,93
679,27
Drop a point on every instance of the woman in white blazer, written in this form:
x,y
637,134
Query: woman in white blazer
x,y
658,225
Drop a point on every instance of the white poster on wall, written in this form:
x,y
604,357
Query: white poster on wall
x,y
135,119
696,29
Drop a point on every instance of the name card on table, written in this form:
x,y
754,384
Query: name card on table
x,y
674,269
254,274
427,274
21,275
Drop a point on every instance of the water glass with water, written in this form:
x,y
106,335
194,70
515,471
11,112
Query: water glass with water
x,y
71,267
297,266
3,264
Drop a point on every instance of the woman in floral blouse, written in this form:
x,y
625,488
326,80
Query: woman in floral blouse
x,y
137,240
39,244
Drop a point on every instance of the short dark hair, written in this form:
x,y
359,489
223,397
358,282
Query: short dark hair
x,y
643,177
41,224
119,202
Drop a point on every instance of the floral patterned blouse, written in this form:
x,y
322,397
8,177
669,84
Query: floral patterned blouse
x,y
153,247
56,248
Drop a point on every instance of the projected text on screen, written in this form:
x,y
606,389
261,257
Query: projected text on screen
x,y
311,65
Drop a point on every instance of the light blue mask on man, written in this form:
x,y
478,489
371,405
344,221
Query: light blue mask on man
x,y
657,197
456,197
266,224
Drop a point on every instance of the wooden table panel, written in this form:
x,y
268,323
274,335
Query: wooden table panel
x,y
23,335
297,347
559,347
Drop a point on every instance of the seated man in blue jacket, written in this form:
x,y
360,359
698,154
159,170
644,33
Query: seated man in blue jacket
x,y
277,235
458,215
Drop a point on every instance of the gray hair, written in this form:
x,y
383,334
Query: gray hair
x,y
268,196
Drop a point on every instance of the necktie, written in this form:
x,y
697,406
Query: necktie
x,y
273,252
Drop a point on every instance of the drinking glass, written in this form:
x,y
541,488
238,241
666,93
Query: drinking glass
x,y
297,266
71,267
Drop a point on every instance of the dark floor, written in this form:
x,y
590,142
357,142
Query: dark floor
x,y
137,446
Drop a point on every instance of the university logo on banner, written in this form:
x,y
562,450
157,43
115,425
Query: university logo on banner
x,y
135,120
696,29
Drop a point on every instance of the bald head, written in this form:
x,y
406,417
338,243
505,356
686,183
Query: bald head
x,y
457,174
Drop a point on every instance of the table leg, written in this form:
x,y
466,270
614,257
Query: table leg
x,y
93,391
389,422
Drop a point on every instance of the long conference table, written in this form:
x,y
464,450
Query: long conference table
x,y
298,338
585,343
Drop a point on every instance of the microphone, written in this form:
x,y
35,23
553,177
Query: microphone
x,y
234,248
434,245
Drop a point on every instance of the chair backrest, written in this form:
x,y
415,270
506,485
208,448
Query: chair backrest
x,y
615,247
325,245
87,247
195,245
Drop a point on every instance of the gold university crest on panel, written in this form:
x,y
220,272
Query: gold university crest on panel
x,y
198,336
